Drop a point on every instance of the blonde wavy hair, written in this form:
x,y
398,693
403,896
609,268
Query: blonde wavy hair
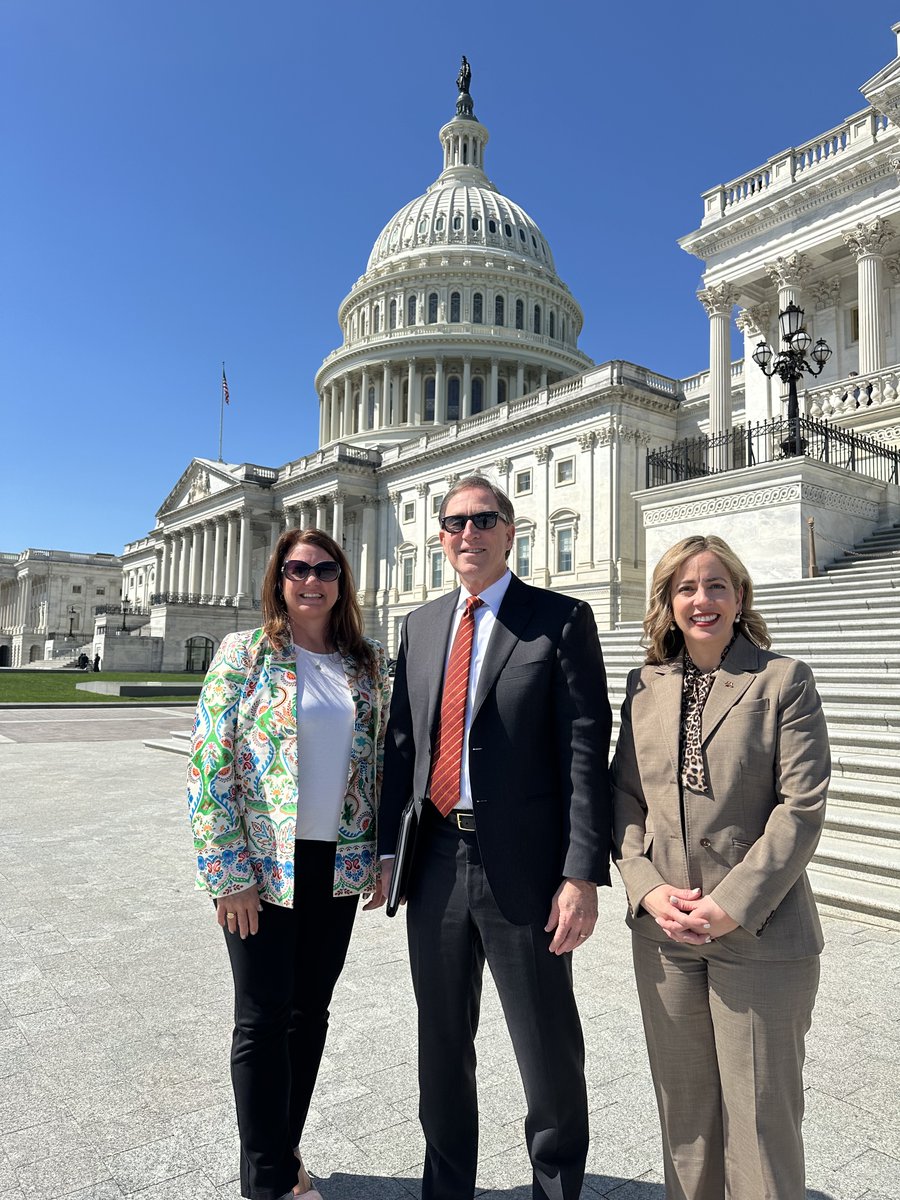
x,y
662,639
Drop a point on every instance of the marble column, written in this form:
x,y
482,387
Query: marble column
x,y
231,556
335,414
412,408
586,443
206,568
440,397
867,241
194,570
540,568
368,557
337,520
396,397
755,324
274,533
543,379
466,398
520,379
245,545
384,413
184,565
218,563
718,301
364,423
492,397
788,274
347,422
162,574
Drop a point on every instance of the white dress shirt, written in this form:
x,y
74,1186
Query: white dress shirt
x,y
485,618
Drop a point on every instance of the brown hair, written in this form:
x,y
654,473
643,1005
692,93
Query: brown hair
x,y
662,638
345,627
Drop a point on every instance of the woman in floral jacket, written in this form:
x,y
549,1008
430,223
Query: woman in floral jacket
x,y
283,790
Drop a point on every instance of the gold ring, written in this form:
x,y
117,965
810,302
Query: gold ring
x,y
582,936
231,916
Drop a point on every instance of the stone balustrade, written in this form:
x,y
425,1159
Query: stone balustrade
x,y
845,397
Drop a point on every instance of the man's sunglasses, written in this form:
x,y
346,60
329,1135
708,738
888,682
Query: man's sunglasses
x,y
297,569
457,523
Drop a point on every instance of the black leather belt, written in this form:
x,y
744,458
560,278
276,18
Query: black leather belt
x,y
463,819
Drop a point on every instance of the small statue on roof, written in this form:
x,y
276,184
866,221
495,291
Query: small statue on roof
x,y
464,78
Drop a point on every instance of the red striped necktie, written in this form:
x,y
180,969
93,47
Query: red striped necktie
x,y
447,762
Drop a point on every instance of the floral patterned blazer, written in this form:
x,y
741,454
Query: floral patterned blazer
x,y
242,778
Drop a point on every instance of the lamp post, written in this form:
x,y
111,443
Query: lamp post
x,y
73,613
790,364
126,604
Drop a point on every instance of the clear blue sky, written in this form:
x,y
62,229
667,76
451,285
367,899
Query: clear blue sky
x,y
187,181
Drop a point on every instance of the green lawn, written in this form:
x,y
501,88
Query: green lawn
x,y
48,687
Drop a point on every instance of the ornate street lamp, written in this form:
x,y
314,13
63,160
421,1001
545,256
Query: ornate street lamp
x,y
790,364
73,613
126,604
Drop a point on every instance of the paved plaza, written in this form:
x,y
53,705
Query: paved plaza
x,y
115,1023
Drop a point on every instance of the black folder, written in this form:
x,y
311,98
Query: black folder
x,y
406,845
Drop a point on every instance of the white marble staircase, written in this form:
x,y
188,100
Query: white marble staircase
x,y
846,625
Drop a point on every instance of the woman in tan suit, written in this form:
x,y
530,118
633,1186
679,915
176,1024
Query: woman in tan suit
x,y
720,776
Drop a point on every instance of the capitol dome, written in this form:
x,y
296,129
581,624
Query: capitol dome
x,y
459,309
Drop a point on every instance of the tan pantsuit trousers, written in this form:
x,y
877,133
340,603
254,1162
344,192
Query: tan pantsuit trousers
x,y
725,1036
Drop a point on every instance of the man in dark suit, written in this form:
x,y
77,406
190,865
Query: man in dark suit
x,y
500,724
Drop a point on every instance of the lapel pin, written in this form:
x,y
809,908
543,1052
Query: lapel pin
x,y
728,683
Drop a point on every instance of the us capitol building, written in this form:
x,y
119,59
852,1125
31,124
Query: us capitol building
x,y
459,353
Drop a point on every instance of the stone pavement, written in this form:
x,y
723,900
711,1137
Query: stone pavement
x,y
115,1015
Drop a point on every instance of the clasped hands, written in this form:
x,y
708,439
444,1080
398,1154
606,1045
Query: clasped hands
x,y
686,915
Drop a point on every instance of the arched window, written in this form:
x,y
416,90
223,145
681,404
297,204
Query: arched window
x,y
520,315
429,399
465,152
477,395
453,398
492,226
478,308
552,324
457,222
410,310
521,235
454,307
499,314
476,224
537,318
392,315
432,307
507,228
376,319
501,391
423,225
35,653
439,225
198,654
404,402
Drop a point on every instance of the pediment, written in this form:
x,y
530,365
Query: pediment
x,y
883,91
202,479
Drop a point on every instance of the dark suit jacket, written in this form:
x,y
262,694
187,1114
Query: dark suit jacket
x,y
538,746
747,841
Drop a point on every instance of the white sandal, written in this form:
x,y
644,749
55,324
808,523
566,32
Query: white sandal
x,y
304,1182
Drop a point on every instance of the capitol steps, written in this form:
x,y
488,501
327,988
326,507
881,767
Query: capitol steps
x,y
178,742
846,625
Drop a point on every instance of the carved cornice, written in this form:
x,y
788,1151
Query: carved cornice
x,y
718,300
768,497
502,465
789,271
587,441
421,489
542,454
868,237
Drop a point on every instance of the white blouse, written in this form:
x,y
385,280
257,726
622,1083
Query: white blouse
x,y
325,718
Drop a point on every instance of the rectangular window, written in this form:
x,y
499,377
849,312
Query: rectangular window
x,y
523,555
436,501
101,591
407,568
409,511
76,589
854,324
565,545
437,569
565,471
523,482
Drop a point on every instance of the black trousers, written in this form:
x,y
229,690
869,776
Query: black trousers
x,y
284,977
453,925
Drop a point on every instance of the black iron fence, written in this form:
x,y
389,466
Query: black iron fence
x,y
109,610
197,598
771,441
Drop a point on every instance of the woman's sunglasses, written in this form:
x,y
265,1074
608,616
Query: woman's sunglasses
x,y
457,523
297,569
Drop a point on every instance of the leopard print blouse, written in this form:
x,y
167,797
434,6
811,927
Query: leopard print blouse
x,y
694,694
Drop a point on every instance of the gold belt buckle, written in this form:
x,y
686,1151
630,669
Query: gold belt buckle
x,y
465,820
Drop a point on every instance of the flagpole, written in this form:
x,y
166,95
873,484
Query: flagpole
x,y
222,412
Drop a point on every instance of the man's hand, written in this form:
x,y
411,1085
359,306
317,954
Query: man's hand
x,y
387,872
573,914
379,895
239,912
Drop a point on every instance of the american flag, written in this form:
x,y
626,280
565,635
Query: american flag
x,y
225,387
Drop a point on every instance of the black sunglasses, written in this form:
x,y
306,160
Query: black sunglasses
x,y
297,569
458,522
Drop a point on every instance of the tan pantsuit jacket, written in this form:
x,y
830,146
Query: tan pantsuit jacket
x,y
747,841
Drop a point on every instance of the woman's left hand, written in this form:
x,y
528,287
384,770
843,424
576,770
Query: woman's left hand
x,y
713,919
377,898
